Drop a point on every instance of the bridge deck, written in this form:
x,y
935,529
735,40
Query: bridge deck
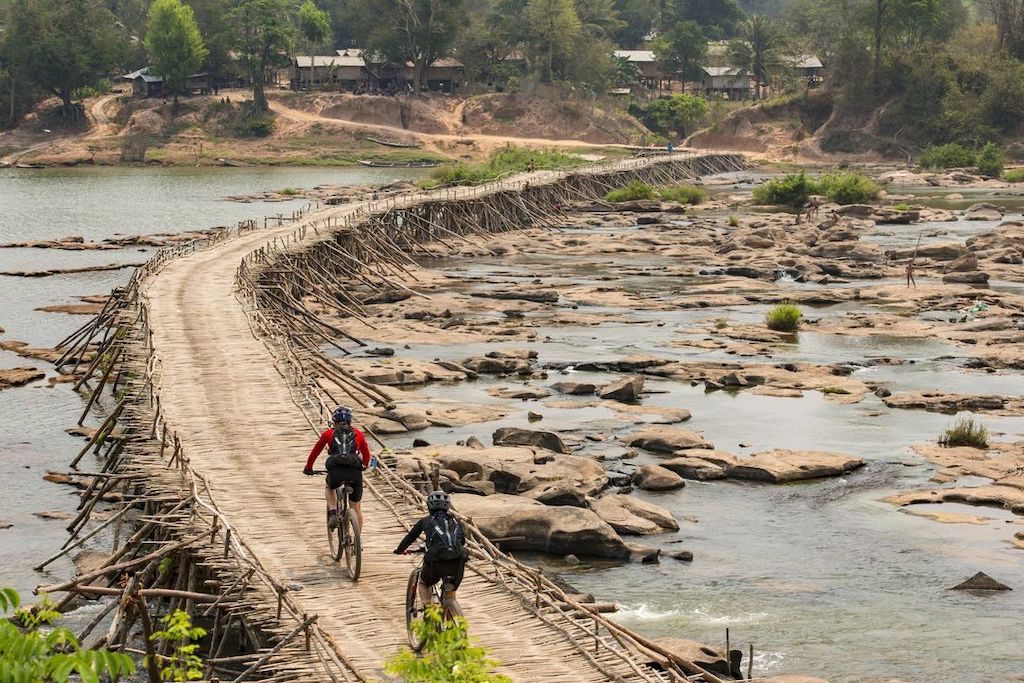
x,y
220,390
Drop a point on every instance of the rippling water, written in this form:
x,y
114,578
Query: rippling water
x,y
95,203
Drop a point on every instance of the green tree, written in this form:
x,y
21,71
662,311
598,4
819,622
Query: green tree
x,y
213,17
759,50
554,27
314,25
599,18
30,655
681,51
449,656
886,17
717,19
991,160
639,17
264,35
672,115
62,46
175,47
184,664
420,31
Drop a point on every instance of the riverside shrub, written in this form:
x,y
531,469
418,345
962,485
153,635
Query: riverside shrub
x,y
1014,176
684,194
965,433
947,156
789,190
991,160
794,189
785,317
633,191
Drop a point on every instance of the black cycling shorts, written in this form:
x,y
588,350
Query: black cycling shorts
x,y
435,571
352,475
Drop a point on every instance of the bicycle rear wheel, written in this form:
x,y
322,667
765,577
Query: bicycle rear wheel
x,y
352,546
334,540
413,610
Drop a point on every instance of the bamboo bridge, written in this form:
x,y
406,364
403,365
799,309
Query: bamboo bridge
x,y
210,370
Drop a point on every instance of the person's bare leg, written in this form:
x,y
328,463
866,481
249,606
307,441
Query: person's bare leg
x,y
451,601
332,498
358,507
424,591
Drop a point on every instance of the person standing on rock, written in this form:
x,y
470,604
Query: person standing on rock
x,y
910,274
347,456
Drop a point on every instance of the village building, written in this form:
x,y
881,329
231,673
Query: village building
x,y
144,84
446,74
729,82
651,75
810,68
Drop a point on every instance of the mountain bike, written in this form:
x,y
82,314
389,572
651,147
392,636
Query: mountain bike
x,y
415,609
343,538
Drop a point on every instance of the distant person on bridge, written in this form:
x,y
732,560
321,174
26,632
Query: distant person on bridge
x,y
444,556
347,456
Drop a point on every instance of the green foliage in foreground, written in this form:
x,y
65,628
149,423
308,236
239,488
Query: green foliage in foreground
x,y
183,664
794,189
965,433
991,160
785,317
506,161
28,655
448,656
684,194
1014,176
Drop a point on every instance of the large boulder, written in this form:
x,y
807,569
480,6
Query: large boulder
x,y
975,278
666,439
694,465
557,494
410,419
981,582
498,366
574,388
983,212
530,525
527,467
631,515
657,478
625,390
514,436
963,264
784,465
692,651
941,251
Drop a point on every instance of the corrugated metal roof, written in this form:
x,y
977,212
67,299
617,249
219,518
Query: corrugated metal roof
x,y
722,71
306,61
646,56
807,62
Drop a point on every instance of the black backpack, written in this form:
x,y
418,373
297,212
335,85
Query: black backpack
x,y
445,538
342,451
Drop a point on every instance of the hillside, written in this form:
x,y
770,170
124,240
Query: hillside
x,y
318,128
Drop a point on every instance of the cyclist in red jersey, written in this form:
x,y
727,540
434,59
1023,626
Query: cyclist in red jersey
x,y
347,456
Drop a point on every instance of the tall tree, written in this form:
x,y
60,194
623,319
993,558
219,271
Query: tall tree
x,y
263,39
175,47
554,27
420,31
639,17
213,17
886,17
314,25
62,46
682,50
758,51
717,19
1008,16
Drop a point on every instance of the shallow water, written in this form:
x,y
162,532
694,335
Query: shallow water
x,y
95,203
824,577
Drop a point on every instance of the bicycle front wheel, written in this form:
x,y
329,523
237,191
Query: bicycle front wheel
x,y
413,610
353,547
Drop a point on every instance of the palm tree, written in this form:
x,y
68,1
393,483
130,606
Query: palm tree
x,y
758,52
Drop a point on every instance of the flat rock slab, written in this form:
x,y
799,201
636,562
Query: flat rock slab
x,y
558,530
17,377
574,388
772,466
522,393
626,390
657,478
514,436
631,515
399,371
666,439
942,402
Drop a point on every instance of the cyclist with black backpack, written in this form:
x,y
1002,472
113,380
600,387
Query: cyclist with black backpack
x,y
347,456
444,554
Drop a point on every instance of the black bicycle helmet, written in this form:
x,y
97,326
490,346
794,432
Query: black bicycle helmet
x,y
342,414
438,500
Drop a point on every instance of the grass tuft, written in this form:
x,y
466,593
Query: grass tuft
x,y
785,317
631,192
684,194
965,432
835,390
1014,176
507,161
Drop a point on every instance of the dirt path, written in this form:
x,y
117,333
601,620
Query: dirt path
x,y
221,391
484,142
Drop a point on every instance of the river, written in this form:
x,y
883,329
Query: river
x,y
823,578
94,203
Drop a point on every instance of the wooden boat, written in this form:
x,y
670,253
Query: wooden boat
x,y
398,164
233,163
392,143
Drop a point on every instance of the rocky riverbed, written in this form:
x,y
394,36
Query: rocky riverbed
x,y
579,388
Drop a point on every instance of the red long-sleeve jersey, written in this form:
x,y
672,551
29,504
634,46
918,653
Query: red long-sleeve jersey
x,y
325,439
